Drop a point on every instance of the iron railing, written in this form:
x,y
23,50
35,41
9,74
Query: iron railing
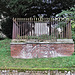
x,y
41,28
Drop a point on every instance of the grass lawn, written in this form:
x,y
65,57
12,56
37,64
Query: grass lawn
x,y
7,61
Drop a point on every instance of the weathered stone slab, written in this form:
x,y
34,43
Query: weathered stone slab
x,y
65,40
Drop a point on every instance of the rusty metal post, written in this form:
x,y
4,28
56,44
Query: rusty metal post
x,y
70,33
13,32
50,27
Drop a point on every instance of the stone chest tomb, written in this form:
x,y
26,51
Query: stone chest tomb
x,y
41,38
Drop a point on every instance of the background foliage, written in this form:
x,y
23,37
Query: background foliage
x,y
7,27
69,14
32,8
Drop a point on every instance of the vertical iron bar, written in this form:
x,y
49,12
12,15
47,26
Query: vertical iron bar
x,y
66,29
21,29
16,28
60,28
25,28
56,27
34,27
47,31
28,37
62,31
31,26
50,27
53,29
38,29
13,32
70,29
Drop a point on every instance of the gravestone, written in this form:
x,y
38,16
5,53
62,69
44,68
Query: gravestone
x,y
41,28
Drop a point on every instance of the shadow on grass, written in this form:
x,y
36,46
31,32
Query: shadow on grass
x,y
2,38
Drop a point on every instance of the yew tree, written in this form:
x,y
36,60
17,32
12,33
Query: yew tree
x,y
30,8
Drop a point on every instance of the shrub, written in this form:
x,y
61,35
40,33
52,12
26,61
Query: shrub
x,y
7,26
73,31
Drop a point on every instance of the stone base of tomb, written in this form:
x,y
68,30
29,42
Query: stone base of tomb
x,y
42,49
